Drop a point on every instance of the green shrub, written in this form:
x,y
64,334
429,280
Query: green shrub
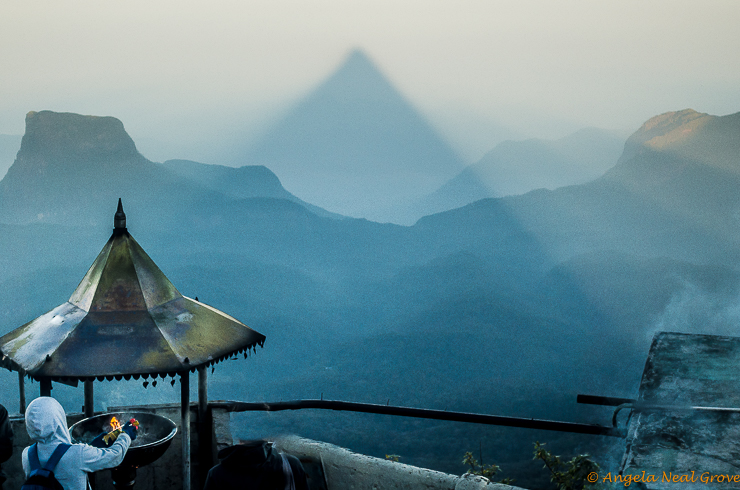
x,y
571,475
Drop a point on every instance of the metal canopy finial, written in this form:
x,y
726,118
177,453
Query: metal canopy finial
x,y
119,220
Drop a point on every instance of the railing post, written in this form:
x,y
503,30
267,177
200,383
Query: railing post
x,y
205,458
22,390
185,422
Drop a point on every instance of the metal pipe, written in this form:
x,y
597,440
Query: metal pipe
x,y
609,401
185,421
22,390
528,423
89,399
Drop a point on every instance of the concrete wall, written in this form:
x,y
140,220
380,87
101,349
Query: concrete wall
x,y
345,470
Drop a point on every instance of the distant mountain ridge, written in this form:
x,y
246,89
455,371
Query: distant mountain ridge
x,y
687,134
68,174
678,200
70,168
356,146
656,130
240,183
687,164
517,167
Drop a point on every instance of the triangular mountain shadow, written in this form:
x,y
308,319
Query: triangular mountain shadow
x,y
355,145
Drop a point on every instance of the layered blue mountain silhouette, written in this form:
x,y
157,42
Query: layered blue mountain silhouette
x,y
70,166
517,167
356,146
252,181
541,295
678,174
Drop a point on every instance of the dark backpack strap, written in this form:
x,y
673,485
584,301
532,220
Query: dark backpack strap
x,y
55,456
33,458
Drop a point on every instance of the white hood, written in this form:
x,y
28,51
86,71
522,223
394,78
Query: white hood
x,y
46,421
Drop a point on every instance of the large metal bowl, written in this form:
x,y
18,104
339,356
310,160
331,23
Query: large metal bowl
x,y
154,436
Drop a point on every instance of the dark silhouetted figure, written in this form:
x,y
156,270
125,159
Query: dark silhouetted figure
x,y
256,465
6,441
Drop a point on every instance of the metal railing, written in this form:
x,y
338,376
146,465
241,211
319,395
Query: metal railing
x,y
475,418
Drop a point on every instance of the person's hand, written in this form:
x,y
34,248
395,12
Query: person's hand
x,y
99,442
131,430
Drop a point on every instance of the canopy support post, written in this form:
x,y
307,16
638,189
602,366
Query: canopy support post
x,y
89,406
205,458
22,390
89,412
45,387
185,422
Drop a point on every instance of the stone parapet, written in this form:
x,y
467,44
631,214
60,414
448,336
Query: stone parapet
x,y
346,470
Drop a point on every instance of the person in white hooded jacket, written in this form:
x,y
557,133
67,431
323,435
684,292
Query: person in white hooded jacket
x,y
46,424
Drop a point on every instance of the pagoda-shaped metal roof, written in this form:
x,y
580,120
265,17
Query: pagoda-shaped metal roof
x,y
125,318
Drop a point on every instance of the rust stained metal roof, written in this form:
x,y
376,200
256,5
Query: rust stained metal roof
x,y
125,318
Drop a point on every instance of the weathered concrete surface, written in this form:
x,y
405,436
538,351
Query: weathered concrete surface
x,y
686,370
345,470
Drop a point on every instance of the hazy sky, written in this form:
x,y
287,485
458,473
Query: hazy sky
x,y
194,71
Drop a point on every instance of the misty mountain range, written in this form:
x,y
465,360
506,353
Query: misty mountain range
x,y
240,183
504,305
357,147
517,167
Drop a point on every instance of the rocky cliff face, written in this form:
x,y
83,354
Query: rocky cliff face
x,y
74,134
61,143
72,168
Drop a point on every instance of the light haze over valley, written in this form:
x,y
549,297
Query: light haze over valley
x,y
482,206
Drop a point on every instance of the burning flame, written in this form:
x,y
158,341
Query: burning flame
x,y
115,424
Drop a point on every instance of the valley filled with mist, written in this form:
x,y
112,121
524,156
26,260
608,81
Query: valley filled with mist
x,y
384,268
